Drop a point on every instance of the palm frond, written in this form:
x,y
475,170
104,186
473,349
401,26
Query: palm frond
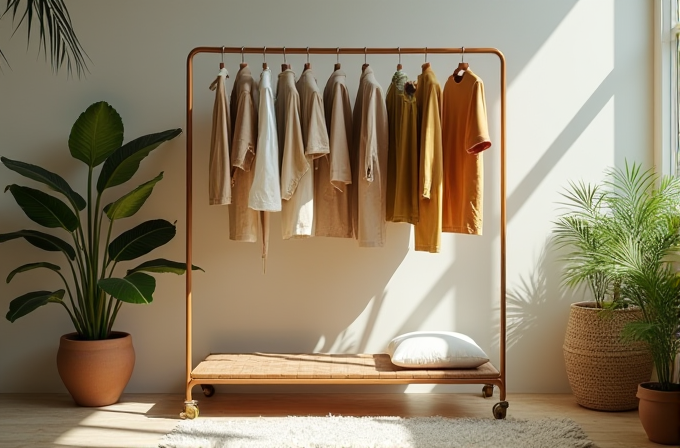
x,y
55,31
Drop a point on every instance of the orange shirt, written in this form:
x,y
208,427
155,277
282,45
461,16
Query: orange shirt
x,y
465,135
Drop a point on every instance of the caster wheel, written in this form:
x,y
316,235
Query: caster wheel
x,y
190,411
487,391
500,409
208,390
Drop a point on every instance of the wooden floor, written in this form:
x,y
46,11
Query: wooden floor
x,y
140,420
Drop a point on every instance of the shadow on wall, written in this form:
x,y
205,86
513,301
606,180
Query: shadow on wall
x,y
537,312
310,295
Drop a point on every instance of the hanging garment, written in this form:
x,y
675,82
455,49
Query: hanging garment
x,y
298,209
428,230
265,193
244,99
333,174
369,162
465,136
402,159
219,167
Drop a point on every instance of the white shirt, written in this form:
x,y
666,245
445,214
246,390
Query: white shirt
x,y
265,193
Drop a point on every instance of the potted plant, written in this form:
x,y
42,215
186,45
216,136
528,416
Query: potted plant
x,y
650,281
603,368
94,362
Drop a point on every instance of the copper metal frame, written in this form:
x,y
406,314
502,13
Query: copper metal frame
x,y
190,382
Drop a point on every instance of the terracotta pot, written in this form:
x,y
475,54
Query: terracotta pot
x,y
96,372
660,413
604,371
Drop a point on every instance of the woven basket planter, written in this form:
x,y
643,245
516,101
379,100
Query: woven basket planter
x,y
603,371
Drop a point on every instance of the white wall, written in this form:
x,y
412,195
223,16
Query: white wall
x,y
579,100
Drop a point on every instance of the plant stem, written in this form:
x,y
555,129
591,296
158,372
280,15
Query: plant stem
x,y
115,313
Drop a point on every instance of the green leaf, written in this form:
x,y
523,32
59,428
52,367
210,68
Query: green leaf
x,y
44,209
129,204
96,134
141,240
30,267
23,305
123,163
161,265
134,288
42,241
52,180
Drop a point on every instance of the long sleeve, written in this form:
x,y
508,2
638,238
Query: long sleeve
x,y
340,137
431,139
295,164
219,169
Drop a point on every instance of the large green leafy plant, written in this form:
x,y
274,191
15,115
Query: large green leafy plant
x,y
624,236
93,295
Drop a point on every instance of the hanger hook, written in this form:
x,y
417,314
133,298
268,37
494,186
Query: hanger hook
x,y
308,55
337,56
284,55
365,55
462,55
223,54
242,57
264,53
425,54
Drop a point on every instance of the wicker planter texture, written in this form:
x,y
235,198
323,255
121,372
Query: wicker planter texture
x,y
603,371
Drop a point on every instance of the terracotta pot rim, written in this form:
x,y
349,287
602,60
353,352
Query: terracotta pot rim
x,y
73,337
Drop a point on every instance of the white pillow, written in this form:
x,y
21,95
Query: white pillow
x,y
436,350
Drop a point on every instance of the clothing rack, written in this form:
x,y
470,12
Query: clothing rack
x,y
377,376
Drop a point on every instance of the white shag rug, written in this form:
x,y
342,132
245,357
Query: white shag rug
x,y
376,432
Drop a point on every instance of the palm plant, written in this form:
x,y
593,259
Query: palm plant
x,y
624,235
56,32
94,294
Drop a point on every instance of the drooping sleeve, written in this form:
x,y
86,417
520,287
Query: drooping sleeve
x,y
477,132
219,170
430,138
340,137
245,132
295,164
317,134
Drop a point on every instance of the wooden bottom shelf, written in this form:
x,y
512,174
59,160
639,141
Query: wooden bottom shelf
x,y
284,368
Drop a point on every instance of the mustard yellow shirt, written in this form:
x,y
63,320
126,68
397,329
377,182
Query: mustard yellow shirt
x,y
402,159
428,230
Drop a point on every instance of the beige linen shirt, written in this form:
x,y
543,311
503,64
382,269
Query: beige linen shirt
x,y
333,174
244,98
369,166
265,192
304,138
219,178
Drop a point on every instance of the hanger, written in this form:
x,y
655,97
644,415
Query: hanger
x,y
243,63
264,56
307,64
399,66
285,66
337,60
426,65
223,72
462,66
363,67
